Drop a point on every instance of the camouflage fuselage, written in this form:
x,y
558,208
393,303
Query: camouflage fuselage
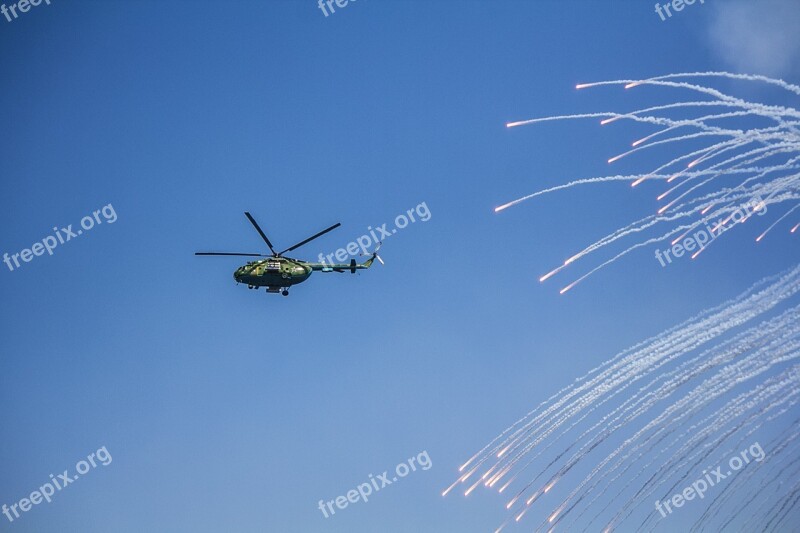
x,y
273,272
285,272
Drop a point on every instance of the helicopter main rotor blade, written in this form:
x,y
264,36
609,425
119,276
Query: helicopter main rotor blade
x,y
229,253
260,232
320,234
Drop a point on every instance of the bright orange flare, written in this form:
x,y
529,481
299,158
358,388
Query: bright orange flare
x,y
573,258
504,487
568,287
462,467
543,278
469,490
673,243
468,474
498,476
512,502
647,138
448,489
661,211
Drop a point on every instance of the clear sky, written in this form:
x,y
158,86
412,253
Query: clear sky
x,y
226,409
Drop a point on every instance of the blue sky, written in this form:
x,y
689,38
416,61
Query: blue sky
x,y
230,410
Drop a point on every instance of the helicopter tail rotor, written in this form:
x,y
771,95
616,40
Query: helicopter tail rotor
x,y
374,255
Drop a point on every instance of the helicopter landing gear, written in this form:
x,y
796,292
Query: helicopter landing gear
x,y
285,292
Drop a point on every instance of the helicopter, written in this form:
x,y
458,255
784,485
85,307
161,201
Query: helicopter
x,y
278,273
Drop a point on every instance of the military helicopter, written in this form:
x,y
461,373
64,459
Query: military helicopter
x,y
277,273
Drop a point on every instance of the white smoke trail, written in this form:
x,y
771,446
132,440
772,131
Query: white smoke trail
x,y
690,387
669,406
779,142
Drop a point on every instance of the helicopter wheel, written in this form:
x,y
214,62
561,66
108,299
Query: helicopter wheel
x,y
285,292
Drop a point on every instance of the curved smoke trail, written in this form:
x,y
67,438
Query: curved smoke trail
x,y
664,411
668,412
760,165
